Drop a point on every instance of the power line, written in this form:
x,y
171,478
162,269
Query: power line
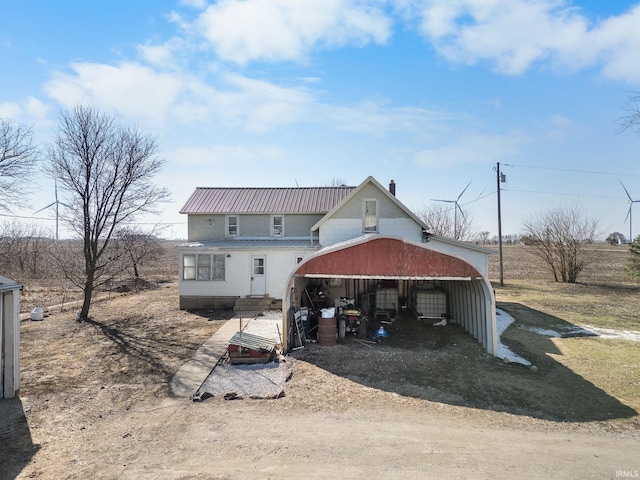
x,y
31,217
570,170
565,194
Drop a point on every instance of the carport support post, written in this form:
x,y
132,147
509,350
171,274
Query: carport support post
x,y
499,178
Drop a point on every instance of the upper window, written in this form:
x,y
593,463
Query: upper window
x,y
277,225
370,216
203,267
232,225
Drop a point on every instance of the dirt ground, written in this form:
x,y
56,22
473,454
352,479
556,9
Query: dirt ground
x,y
426,402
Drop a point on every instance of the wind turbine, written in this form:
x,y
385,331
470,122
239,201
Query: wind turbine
x,y
456,208
629,213
57,204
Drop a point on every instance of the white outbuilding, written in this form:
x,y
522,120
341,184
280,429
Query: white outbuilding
x,y
9,337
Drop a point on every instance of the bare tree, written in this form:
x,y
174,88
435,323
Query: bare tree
x,y
560,237
632,119
616,238
484,237
26,250
139,247
105,172
334,182
18,155
442,220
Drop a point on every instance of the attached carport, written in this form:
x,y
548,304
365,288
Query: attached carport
x,y
359,265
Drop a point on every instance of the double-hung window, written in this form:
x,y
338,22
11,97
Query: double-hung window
x,y
232,225
218,267
277,225
370,216
189,267
203,267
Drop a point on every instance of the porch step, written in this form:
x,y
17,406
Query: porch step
x,y
276,304
252,305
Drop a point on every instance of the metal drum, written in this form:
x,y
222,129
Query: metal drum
x,y
327,331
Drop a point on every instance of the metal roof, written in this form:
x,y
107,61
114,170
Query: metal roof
x,y
8,284
265,200
254,342
252,243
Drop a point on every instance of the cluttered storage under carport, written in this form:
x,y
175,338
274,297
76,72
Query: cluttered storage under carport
x,y
333,310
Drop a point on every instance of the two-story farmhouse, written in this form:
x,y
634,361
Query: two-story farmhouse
x,y
307,246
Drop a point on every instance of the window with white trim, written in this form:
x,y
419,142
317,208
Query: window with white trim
x,y
370,216
232,225
277,225
203,267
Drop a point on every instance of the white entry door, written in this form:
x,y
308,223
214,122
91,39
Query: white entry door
x,y
258,275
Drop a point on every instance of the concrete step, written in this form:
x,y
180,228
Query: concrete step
x,y
276,304
250,301
254,305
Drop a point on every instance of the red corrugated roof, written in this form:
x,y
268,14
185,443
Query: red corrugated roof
x,y
265,200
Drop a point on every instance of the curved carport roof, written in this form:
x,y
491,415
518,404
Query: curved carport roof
x,y
471,300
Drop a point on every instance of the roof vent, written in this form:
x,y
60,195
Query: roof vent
x,y
392,188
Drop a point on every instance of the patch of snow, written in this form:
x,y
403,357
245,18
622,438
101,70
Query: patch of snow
x,y
615,334
268,325
586,331
503,320
541,331
575,331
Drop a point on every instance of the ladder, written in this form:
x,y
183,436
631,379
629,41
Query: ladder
x,y
300,318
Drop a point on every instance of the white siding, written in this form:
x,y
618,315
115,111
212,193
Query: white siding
x,y
279,264
9,340
336,230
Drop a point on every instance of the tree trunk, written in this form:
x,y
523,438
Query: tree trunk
x,y
86,303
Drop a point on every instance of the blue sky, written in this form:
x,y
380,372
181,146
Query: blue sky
x,y
429,93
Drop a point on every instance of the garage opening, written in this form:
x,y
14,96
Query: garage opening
x,y
357,289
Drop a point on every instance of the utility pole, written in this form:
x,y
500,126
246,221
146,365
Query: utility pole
x,y
500,178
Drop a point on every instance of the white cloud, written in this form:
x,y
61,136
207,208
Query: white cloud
x,y
163,55
261,105
617,40
199,4
561,128
513,35
471,149
287,30
30,111
156,98
167,99
131,89
220,155
10,110
378,119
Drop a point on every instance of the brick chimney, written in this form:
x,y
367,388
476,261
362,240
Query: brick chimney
x,y
392,188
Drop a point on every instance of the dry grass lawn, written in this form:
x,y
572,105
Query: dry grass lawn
x,y
96,404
